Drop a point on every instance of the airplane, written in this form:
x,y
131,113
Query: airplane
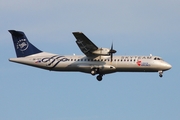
x,y
96,61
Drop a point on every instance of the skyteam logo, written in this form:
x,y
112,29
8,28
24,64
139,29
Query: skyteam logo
x,y
140,63
52,61
22,45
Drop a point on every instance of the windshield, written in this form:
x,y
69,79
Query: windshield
x,y
157,58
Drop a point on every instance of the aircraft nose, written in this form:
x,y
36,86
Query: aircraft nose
x,y
167,66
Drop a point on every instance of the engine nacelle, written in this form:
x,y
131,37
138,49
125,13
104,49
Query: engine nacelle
x,y
102,51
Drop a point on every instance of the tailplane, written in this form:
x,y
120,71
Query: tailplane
x,y
22,46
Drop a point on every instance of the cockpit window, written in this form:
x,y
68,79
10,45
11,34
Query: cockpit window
x,y
156,58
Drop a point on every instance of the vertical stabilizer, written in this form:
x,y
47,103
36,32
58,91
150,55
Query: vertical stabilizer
x,y
21,44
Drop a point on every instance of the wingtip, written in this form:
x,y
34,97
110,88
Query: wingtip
x,y
77,32
11,31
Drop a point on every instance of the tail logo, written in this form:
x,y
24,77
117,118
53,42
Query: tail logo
x,y
22,45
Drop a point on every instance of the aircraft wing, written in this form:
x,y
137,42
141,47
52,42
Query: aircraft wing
x,y
86,46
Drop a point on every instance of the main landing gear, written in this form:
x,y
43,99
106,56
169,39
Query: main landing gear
x,y
96,71
160,73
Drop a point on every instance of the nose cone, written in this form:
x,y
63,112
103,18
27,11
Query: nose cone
x,y
167,66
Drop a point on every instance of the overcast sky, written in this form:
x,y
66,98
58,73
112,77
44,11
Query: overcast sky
x,y
136,27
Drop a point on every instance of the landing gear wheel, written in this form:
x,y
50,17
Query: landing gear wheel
x,y
99,77
160,73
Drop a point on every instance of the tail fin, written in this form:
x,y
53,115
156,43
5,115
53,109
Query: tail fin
x,y
21,44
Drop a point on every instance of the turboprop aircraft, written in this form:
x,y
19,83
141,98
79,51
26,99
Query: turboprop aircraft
x,y
96,61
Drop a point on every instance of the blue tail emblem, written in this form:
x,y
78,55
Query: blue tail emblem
x,y
21,44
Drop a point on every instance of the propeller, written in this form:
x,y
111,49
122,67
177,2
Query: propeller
x,y
111,52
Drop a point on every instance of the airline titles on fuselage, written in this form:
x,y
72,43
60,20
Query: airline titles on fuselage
x,y
56,57
53,61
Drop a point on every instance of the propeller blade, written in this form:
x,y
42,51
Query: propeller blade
x,y
111,52
112,46
111,57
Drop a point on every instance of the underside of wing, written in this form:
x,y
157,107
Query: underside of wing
x,y
86,46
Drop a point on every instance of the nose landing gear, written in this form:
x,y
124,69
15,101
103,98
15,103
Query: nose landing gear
x,y
160,73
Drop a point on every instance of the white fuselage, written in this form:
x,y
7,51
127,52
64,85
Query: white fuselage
x,y
85,64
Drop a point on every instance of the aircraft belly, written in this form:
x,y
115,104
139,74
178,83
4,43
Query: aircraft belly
x,y
136,70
